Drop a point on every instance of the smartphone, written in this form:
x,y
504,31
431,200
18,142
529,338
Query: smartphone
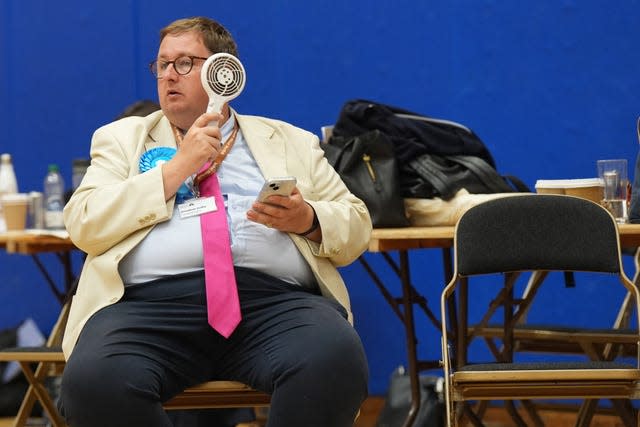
x,y
281,186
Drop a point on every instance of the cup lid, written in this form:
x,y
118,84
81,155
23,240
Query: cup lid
x,y
14,198
569,183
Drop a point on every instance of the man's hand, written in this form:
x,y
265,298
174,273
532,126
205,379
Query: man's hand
x,y
289,214
200,144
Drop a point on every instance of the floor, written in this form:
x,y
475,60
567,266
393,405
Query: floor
x,y
494,417
497,417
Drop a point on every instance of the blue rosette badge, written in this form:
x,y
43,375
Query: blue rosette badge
x,y
155,157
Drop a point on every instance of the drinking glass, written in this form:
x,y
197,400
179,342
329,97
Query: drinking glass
x,y
613,173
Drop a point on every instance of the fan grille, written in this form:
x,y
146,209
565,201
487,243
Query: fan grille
x,y
225,76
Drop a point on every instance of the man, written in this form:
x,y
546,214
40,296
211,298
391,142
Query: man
x,y
138,333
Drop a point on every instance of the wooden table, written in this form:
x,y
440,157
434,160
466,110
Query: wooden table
x,y
387,239
26,243
403,240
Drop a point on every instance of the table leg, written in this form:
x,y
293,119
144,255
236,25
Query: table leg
x,y
69,277
410,336
403,308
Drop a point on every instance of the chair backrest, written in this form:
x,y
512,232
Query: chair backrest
x,y
537,232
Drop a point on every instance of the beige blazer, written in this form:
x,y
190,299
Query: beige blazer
x,y
116,206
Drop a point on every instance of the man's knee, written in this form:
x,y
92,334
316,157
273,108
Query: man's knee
x,y
343,361
326,386
335,357
103,386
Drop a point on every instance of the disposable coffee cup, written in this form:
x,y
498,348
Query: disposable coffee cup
x,y
14,208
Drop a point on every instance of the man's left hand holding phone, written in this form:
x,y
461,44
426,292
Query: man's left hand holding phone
x,y
281,206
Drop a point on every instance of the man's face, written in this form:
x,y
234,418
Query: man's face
x,y
182,97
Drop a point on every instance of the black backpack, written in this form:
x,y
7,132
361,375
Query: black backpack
x,y
436,157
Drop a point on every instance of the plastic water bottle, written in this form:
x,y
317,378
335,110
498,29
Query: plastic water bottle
x,y
53,198
79,168
8,182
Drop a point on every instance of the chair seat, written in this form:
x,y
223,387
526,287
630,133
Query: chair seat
x,y
547,380
554,369
32,354
220,394
550,389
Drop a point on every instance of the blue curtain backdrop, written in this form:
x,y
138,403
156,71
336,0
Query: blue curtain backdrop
x,y
549,85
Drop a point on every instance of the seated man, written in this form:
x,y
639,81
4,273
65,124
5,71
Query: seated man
x,y
139,330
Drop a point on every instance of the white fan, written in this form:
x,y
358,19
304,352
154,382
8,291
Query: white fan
x,y
223,78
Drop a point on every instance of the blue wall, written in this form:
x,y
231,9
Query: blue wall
x,y
549,86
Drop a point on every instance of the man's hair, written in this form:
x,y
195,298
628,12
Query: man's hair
x,y
215,37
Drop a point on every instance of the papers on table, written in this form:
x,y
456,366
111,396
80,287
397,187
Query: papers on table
x,y
62,234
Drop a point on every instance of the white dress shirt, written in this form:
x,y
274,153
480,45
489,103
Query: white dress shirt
x,y
175,246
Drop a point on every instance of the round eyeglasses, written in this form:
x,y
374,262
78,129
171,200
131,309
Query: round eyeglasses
x,y
182,65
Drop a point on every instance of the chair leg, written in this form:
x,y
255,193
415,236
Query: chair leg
x,y
533,413
37,391
625,411
513,412
481,408
465,410
22,417
585,413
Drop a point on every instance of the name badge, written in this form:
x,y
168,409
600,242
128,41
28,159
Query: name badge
x,y
195,207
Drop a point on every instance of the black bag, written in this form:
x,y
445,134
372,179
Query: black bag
x,y
412,134
367,165
398,402
438,157
431,175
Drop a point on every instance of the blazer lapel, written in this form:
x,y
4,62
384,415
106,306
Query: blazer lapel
x,y
160,135
265,144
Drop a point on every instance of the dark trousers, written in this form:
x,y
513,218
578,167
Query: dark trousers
x,y
155,342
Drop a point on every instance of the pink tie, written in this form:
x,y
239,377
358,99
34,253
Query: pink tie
x,y
223,307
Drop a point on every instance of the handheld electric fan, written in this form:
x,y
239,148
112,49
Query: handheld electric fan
x,y
223,78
